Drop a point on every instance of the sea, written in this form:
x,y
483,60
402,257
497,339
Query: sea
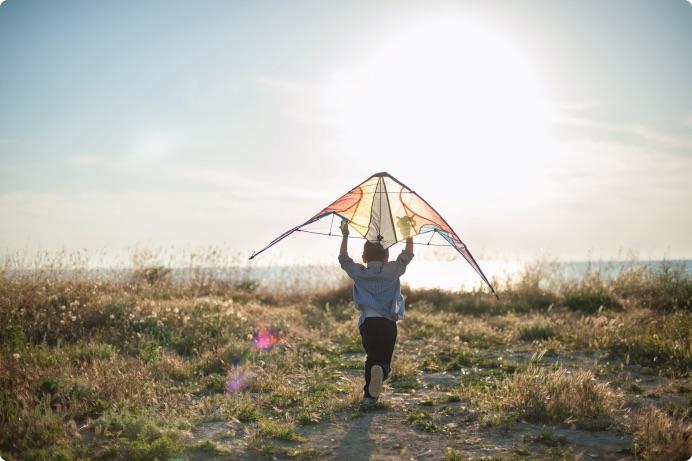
x,y
451,275
426,273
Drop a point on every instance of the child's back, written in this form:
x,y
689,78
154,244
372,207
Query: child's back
x,y
377,295
376,286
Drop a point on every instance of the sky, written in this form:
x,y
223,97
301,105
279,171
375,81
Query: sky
x,y
535,128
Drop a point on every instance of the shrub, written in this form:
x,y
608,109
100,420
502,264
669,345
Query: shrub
x,y
589,294
537,331
558,396
667,286
660,437
152,275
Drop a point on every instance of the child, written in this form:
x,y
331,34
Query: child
x,y
377,294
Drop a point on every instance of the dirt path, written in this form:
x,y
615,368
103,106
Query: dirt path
x,y
387,433
425,422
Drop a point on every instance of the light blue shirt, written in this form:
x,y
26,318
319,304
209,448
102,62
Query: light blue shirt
x,y
376,288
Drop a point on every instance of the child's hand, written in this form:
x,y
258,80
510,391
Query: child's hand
x,y
404,223
344,227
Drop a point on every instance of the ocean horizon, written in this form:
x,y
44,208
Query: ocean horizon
x,y
425,273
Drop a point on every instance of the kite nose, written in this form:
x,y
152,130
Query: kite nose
x,y
379,238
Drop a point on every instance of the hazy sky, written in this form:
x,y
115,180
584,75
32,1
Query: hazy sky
x,y
536,126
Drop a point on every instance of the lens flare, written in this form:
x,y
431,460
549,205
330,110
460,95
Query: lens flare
x,y
266,338
238,379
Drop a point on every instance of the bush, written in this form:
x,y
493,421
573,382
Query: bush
x,y
665,287
660,437
589,294
537,331
558,396
152,275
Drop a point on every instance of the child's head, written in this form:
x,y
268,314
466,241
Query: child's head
x,y
373,251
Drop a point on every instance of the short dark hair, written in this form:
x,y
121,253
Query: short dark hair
x,y
373,251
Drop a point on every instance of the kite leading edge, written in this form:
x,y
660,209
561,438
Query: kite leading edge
x,y
381,209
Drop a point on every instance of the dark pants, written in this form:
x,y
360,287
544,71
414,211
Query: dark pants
x,y
379,336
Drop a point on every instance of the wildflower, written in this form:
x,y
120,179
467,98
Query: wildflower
x,y
112,317
176,310
73,318
62,308
16,356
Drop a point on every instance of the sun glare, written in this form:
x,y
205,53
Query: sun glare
x,y
447,86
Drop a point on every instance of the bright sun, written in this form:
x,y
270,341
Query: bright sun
x,y
447,86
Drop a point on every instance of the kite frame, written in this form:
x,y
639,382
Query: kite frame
x,y
383,174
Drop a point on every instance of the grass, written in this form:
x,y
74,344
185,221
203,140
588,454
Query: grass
x,y
658,435
558,396
548,437
103,367
424,420
553,396
278,430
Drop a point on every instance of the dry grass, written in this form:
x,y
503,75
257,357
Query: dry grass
x,y
659,436
121,366
560,396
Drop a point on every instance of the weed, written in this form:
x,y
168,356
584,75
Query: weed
x,y
537,331
451,454
547,437
554,396
424,420
659,436
278,430
114,365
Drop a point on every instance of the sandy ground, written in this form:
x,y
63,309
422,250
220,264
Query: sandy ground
x,y
385,433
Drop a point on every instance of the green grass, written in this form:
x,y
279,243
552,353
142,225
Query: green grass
x,y
278,430
548,437
424,420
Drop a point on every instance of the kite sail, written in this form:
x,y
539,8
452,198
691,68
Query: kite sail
x,y
383,209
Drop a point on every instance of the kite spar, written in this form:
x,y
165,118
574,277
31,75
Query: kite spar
x,y
383,209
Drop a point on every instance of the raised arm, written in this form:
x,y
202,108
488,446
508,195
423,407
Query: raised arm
x,y
409,246
345,260
343,251
405,224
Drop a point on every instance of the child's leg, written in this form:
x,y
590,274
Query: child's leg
x,y
379,337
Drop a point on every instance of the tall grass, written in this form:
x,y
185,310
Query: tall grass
x,y
119,361
659,436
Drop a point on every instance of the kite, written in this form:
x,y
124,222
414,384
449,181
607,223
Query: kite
x,y
383,209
